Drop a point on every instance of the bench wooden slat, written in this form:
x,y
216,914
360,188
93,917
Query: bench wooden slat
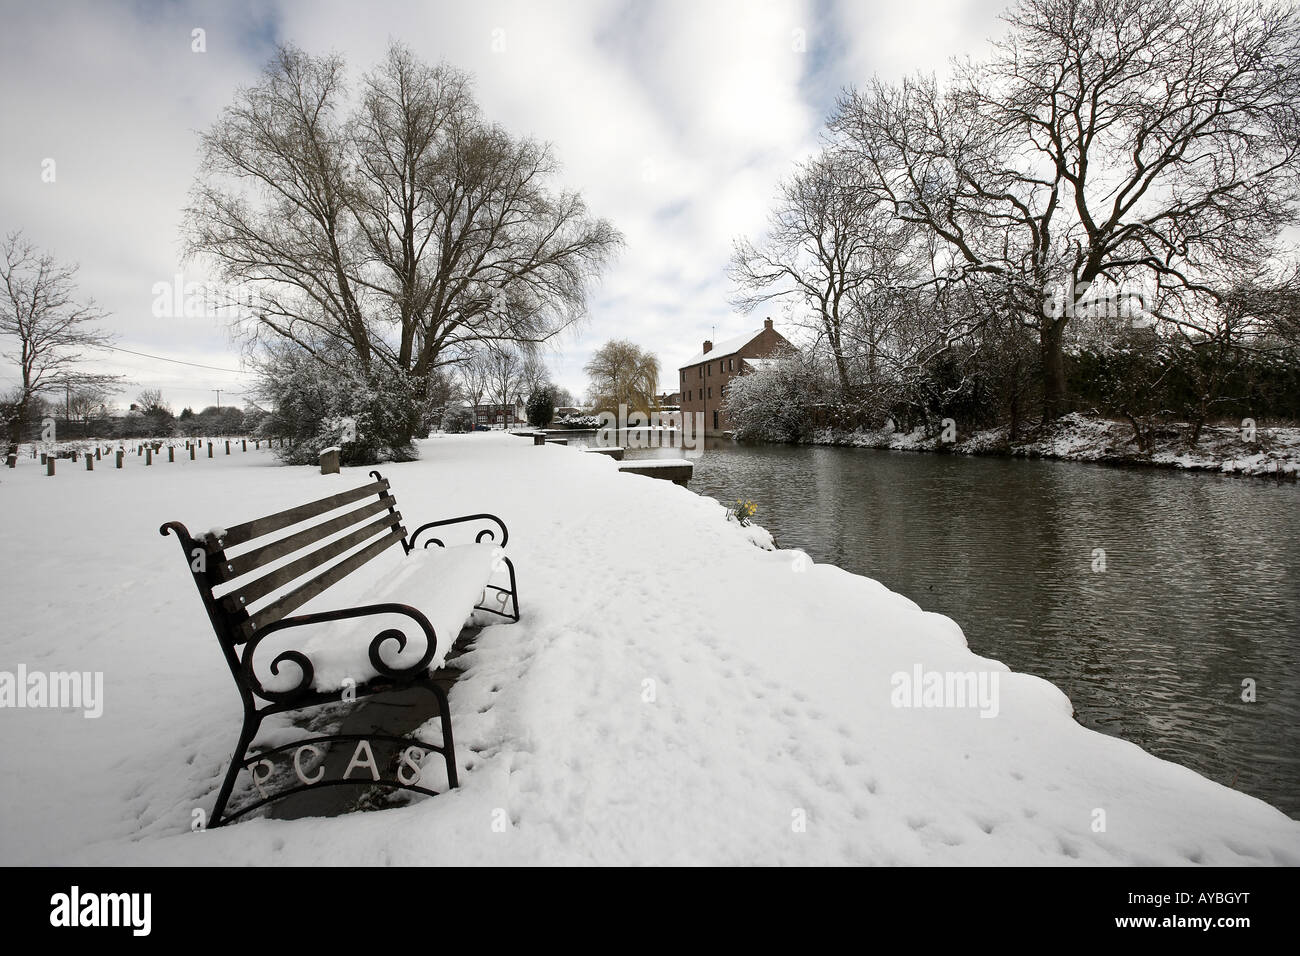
x,y
249,593
304,593
234,567
262,526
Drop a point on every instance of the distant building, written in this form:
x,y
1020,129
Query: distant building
x,y
500,416
669,399
704,378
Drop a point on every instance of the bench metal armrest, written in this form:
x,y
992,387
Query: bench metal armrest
x,y
488,533
308,671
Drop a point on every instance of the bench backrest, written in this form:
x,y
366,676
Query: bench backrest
x,y
242,566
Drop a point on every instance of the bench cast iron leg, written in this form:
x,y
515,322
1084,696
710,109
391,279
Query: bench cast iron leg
x,y
448,745
232,773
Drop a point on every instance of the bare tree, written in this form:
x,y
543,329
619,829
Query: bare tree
x,y
402,236
505,366
534,374
88,401
622,374
45,328
833,248
1271,302
473,376
1128,141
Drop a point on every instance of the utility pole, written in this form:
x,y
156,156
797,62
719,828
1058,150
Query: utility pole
x,y
218,391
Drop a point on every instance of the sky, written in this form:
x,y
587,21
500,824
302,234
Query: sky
x,y
676,120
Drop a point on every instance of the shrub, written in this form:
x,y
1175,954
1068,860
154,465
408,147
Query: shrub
x,y
541,406
458,420
372,416
778,401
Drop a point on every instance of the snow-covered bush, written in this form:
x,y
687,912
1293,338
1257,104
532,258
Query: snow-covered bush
x,y
578,421
457,420
371,416
777,401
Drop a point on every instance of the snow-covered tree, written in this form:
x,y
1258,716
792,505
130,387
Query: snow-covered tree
x,y
778,401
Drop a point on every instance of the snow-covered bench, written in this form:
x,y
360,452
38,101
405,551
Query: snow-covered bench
x,y
388,623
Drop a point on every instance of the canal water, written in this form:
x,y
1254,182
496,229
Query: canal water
x,y
1198,593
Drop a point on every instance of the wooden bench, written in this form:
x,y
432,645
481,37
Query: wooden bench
x,y
252,576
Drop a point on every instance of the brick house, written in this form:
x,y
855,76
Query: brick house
x,y
703,380
500,416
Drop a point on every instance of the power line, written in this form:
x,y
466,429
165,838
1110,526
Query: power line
x,y
163,358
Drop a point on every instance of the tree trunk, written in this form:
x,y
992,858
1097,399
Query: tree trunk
x,y
15,429
1055,398
1013,433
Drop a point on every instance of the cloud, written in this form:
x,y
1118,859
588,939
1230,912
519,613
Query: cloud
x,y
675,119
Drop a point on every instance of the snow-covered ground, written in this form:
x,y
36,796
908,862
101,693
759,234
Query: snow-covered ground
x,y
1268,452
673,694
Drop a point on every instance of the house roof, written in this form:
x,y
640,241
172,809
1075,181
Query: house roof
x,y
723,349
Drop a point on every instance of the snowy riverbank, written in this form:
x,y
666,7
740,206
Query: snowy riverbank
x,y
673,694
1272,453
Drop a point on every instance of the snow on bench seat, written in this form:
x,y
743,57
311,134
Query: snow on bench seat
x,y
442,583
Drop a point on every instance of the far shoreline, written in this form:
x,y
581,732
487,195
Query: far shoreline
x,y
1275,452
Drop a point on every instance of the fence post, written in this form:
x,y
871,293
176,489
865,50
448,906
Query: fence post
x,y
209,449
171,452
244,443
49,466
191,453
90,462
227,446
120,453
12,459
148,456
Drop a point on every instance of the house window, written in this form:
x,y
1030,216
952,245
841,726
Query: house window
x,y
731,365
710,368
701,371
688,395
710,393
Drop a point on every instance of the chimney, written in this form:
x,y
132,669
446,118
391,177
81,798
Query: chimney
x,y
708,346
767,325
